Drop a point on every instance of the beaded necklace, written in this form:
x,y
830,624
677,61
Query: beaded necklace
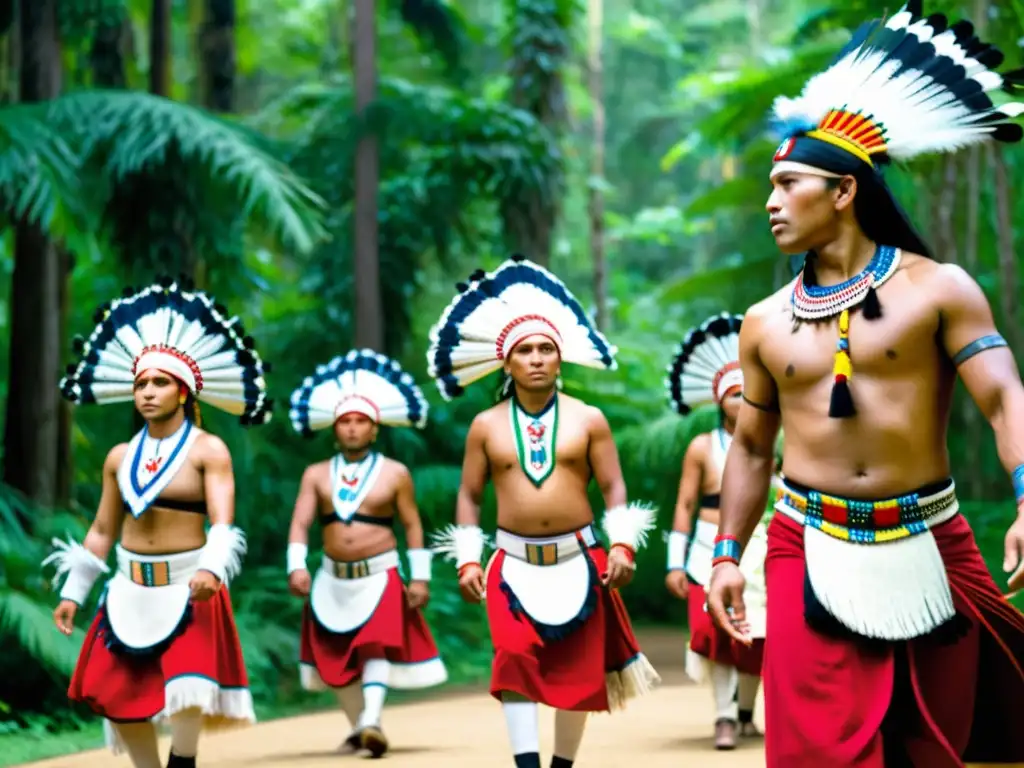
x,y
816,302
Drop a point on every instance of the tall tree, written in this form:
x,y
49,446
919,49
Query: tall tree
x,y
31,424
160,48
217,56
369,315
595,188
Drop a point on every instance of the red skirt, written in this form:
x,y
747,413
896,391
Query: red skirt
x,y
713,644
593,667
201,666
938,701
394,631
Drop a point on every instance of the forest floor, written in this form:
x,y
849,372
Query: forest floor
x,y
671,727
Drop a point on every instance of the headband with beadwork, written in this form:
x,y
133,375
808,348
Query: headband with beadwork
x,y
706,368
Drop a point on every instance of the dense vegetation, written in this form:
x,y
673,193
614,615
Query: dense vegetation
x,y
244,143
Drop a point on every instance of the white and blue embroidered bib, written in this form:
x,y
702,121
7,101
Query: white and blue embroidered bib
x,y
351,482
150,464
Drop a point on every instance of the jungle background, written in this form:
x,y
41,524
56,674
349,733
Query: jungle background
x,y
329,169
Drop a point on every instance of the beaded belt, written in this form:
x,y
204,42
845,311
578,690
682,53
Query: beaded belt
x,y
869,522
550,550
359,569
157,570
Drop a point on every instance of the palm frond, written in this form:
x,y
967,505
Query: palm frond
x,y
130,132
30,622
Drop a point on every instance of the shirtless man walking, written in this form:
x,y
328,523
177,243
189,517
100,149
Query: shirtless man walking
x,y
163,644
706,370
363,631
891,645
560,630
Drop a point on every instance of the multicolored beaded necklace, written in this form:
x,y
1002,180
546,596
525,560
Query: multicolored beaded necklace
x,y
816,302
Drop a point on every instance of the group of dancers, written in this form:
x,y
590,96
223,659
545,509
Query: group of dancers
x,y
863,602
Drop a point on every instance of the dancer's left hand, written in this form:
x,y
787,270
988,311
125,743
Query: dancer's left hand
x,y
1013,560
204,585
417,593
620,569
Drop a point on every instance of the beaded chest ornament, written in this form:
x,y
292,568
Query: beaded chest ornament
x,y
816,302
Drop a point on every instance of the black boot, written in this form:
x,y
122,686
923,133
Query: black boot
x,y
561,762
528,760
176,761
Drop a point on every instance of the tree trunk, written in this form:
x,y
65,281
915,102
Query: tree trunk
x,y
160,48
595,12
109,46
369,316
217,48
1007,260
10,51
31,426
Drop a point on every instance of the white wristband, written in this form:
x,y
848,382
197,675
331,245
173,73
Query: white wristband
x,y
677,541
462,543
222,554
82,567
296,559
419,564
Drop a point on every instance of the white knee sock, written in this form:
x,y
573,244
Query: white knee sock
x,y
723,686
747,694
569,733
375,690
185,728
351,700
140,741
521,719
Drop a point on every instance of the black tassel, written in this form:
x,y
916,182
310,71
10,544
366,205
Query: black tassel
x,y
841,406
872,307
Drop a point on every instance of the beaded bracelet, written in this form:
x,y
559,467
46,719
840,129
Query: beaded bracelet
x,y
727,550
1018,483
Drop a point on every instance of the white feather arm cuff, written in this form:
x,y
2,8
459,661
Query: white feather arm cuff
x,y
677,541
81,566
297,554
222,554
462,543
629,525
419,564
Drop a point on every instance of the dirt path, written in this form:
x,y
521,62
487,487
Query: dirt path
x,y
671,727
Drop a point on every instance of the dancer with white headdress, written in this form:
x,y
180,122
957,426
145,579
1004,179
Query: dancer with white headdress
x,y
560,631
163,645
706,371
889,642
363,630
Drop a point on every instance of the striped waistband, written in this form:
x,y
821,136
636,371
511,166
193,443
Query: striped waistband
x,y
869,522
360,569
157,570
549,550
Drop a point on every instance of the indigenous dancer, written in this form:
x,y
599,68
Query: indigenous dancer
x,y
363,631
889,642
706,370
163,646
560,630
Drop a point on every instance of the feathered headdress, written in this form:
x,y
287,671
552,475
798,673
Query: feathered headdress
x,y
360,382
706,368
177,330
495,311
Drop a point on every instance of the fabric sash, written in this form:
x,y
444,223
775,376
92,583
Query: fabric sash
x,y
698,561
138,497
755,593
343,603
348,497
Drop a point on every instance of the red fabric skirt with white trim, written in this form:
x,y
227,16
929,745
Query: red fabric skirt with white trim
x,y
590,663
385,627
199,665
944,700
711,643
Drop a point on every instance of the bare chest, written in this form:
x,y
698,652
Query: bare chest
x,y
181,483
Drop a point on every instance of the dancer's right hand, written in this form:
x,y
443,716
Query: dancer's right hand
x,y
725,601
677,584
300,582
64,616
471,583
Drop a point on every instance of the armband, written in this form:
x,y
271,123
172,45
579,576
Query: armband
x,y
677,541
82,567
772,408
1018,483
628,526
419,564
464,544
223,551
296,559
991,341
727,550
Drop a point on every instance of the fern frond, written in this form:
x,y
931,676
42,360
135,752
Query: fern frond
x,y
30,623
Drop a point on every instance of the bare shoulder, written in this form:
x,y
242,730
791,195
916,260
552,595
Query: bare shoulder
x,y
115,456
591,415
211,448
317,472
396,469
950,286
698,447
768,308
484,421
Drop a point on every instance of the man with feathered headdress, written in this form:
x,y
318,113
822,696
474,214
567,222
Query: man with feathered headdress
x,y
890,642
561,634
363,631
163,645
706,370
